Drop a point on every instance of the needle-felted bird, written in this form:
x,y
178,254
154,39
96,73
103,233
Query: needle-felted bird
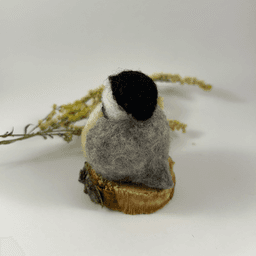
x,y
130,141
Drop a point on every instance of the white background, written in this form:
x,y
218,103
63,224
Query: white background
x,y
55,51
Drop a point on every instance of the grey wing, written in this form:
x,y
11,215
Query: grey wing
x,y
100,151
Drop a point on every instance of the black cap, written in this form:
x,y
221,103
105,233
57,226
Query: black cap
x,y
135,93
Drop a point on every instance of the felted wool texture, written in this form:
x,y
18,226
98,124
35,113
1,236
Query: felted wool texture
x,y
112,107
130,150
135,93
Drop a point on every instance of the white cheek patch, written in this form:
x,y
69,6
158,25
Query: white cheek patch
x,y
111,107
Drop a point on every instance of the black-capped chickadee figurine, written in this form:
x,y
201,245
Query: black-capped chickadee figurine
x,y
130,141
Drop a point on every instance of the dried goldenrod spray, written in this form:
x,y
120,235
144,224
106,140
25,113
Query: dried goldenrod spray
x,y
61,120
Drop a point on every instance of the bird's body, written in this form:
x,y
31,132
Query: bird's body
x,y
120,147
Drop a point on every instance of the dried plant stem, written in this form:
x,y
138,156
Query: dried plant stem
x,y
43,134
60,121
173,78
38,125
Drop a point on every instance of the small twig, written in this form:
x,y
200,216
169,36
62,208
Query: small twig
x,y
43,134
38,125
11,141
